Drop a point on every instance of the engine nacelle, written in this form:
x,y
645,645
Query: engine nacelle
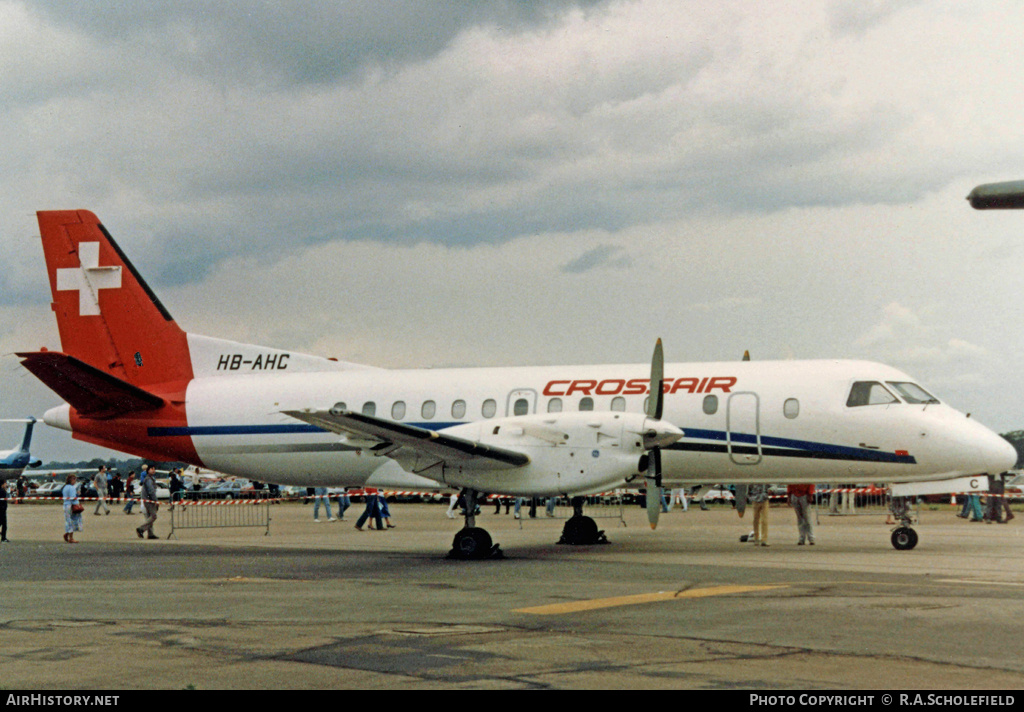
x,y
570,453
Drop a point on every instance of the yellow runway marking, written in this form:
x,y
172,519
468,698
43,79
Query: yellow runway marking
x,y
598,603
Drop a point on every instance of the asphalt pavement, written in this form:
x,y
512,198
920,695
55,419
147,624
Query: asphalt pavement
x,y
324,606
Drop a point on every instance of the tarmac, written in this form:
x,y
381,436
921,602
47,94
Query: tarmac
x,y
324,606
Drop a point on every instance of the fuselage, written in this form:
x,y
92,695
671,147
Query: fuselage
x,y
785,421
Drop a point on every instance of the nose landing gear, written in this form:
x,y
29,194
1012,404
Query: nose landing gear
x,y
903,537
472,542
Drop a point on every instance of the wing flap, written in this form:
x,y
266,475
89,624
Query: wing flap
x,y
418,448
90,391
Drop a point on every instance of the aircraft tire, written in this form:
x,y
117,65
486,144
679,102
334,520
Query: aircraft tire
x,y
581,531
472,543
904,539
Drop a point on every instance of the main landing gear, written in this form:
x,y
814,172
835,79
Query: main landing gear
x,y
580,530
903,537
473,542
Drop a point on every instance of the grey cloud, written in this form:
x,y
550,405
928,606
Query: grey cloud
x,y
294,42
859,16
601,256
492,120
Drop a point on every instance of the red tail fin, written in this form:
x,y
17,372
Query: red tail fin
x,y
107,315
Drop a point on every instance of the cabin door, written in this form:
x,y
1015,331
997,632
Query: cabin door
x,y
743,426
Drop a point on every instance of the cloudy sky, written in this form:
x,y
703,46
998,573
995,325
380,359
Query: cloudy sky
x,y
482,182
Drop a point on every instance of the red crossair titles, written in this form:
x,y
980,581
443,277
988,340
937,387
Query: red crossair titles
x,y
638,386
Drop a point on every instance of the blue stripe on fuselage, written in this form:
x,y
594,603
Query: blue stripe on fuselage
x,y
770,446
796,448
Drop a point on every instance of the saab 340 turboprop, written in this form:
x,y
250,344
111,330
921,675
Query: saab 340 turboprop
x,y
134,381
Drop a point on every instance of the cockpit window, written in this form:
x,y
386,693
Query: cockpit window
x,y
869,393
913,393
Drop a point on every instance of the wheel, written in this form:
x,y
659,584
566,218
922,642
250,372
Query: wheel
x,y
904,539
471,543
580,530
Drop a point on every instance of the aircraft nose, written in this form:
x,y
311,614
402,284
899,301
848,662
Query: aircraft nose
x,y
969,447
1000,455
988,452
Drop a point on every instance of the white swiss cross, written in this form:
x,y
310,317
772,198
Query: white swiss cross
x,y
89,279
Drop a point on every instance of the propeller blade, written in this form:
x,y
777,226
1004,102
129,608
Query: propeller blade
x,y
655,406
653,503
656,403
653,480
741,499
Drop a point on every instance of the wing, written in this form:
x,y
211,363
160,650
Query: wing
x,y
415,449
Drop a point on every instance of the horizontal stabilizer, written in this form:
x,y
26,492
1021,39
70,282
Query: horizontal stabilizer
x,y
88,390
429,445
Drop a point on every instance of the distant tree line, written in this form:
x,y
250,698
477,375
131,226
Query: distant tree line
x,y
123,466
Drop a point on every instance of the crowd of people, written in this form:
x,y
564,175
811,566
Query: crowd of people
x,y
108,487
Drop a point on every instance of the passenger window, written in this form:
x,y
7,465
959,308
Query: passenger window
x,y
913,393
459,409
619,404
489,408
710,405
555,405
398,410
869,393
521,407
369,408
791,408
586,403
428,410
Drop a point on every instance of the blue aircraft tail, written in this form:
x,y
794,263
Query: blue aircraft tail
x,y
28,434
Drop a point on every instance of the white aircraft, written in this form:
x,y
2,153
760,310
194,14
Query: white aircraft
x,y
14,461
134,381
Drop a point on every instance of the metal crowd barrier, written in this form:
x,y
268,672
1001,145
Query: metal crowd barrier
x,y
204,510
607,505
855,501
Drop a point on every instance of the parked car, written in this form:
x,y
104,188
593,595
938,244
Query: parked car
x,y
718,493
292,492
162,490
232,489
1015,488
49,489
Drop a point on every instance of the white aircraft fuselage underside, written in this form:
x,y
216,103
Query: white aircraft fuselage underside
x,y
764,422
